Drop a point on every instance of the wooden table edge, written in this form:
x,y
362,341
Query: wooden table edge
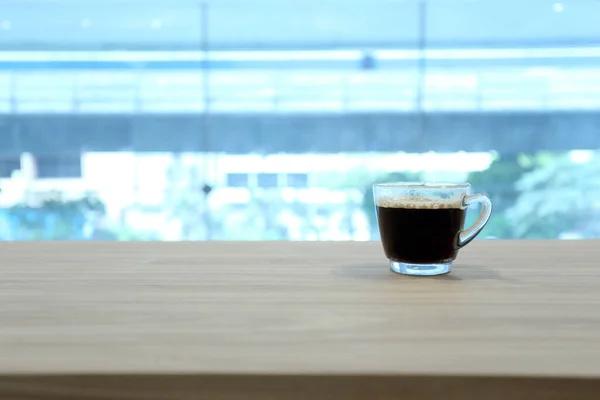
x,y
279,386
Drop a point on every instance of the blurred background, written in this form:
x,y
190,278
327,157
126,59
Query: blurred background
x,y
270,120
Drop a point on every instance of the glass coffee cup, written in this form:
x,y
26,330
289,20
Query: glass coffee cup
x,y
422,224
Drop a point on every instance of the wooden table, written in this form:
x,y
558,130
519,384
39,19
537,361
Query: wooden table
x,y
514,320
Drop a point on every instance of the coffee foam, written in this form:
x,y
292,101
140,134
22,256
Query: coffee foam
x,y
418,203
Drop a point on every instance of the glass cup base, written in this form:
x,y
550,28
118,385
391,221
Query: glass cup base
x,y
420,269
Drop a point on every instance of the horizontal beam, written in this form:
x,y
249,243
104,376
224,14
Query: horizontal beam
x,y
300,133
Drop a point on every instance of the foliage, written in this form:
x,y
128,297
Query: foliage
x,y
558,198
499,179
54,218
186,201
498,182
254,220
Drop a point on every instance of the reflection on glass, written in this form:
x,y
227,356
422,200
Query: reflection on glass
x,y
259,121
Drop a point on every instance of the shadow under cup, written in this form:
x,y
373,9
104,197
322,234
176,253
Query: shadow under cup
x,y
422,225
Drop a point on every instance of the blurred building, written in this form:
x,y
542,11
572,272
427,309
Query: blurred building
x,y
108,96
263,77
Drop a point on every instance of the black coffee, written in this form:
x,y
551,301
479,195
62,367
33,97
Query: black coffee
x,y
420,232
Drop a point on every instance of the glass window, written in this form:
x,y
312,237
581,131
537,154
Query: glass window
x,y
237,180
266,180
168,119
297,180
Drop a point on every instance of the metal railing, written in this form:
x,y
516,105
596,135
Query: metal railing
x,y
273,91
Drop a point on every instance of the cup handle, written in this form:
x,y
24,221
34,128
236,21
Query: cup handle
x,y
470,233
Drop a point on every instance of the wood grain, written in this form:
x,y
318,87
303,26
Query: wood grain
x,y
295,320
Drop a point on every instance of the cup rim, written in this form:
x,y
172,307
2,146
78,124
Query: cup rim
x,y
423,185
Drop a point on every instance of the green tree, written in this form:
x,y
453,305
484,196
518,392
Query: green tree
x,y
498,182
54,218
557,198
186,201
